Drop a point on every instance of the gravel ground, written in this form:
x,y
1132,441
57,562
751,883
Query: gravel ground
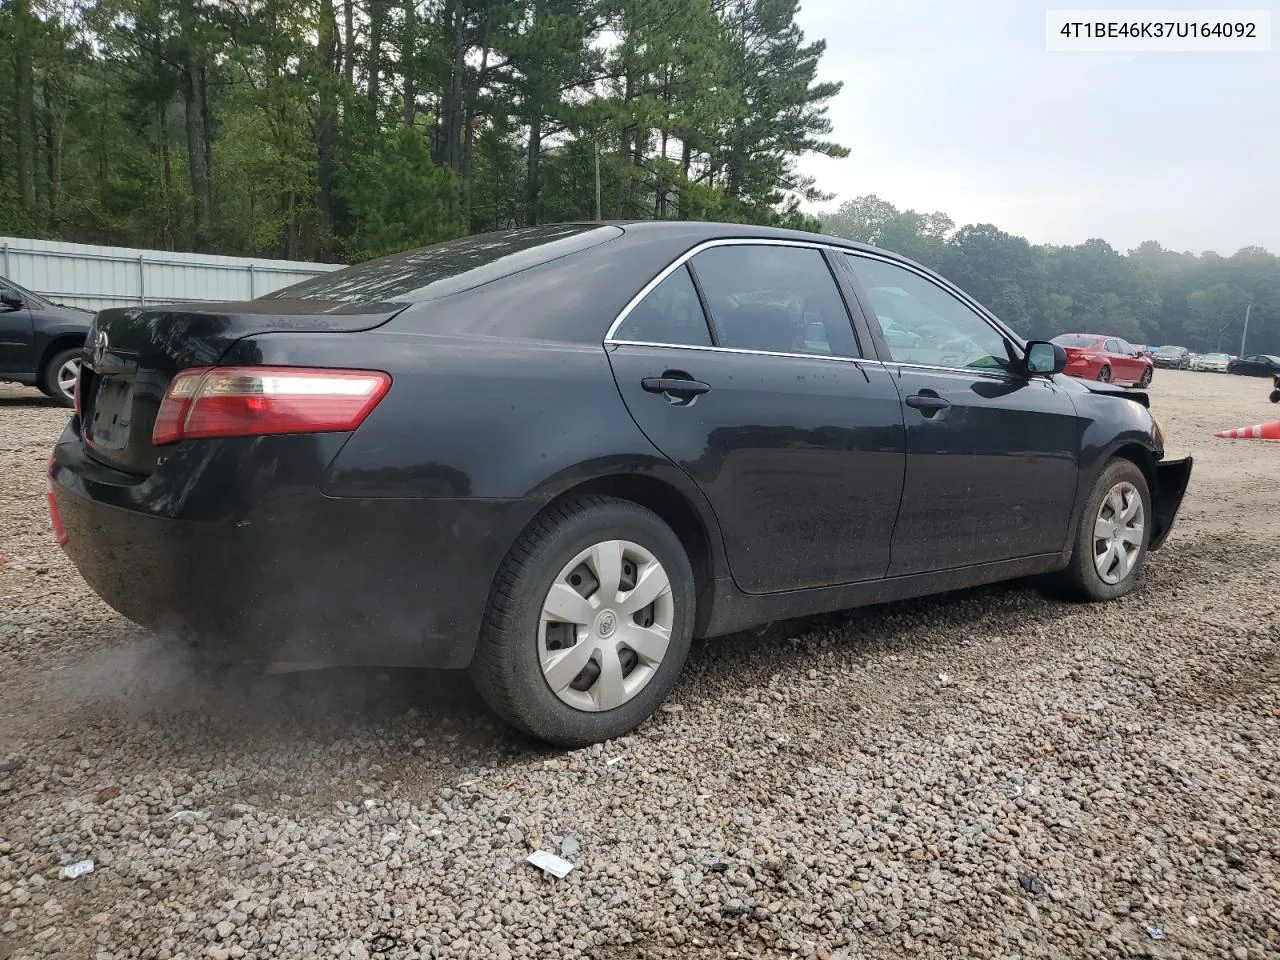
x,y
1088,781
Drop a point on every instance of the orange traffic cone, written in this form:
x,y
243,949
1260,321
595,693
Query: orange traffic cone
x,y
1259,431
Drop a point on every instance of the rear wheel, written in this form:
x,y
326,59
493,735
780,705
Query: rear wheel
x,y
1275,396
589,623
1104,374
1146,378
1111,539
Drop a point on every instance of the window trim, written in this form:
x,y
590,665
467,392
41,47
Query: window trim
x,y
688,255
946,287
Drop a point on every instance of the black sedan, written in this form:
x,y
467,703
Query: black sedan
x,y
41,341
555,455
1257,365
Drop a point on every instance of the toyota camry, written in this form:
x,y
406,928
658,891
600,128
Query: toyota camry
x,y
553,456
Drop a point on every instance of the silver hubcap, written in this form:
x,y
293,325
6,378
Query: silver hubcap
x,y
68,373
1117,533
605,625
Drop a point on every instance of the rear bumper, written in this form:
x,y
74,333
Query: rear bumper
x,y
1172,477
292,575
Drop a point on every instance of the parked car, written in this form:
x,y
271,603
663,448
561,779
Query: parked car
x,y
1179,358
1256,365
554,455
1145,350
1274,396
1212,362
1095,356
40,341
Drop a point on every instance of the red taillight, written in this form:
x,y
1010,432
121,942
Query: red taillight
x,y
55,518
255,401
176,403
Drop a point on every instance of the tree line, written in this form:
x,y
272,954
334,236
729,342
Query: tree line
x,y
344,129
340,130
1150,295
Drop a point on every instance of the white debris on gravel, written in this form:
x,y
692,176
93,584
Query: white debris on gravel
x,y
78,869
819,797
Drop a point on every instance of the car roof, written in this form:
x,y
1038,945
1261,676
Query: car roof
x,y
699,231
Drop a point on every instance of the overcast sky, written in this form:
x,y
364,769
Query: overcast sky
x,y
956,106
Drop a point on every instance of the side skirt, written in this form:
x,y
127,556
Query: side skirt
x,y
734,610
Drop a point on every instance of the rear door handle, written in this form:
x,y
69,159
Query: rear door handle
x,y
926,403
677,386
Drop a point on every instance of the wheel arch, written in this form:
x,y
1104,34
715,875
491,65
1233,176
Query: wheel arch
x,y
55,345
698,532
1141,457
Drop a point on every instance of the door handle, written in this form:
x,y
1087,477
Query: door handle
x,y
678,386
926,403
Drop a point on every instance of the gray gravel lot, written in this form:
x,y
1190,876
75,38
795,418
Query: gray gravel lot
x,y
1089,782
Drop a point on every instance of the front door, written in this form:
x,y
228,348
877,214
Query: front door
x,y
15,341
991,454
795,440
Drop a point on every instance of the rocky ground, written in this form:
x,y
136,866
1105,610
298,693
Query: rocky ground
x,y
1087,782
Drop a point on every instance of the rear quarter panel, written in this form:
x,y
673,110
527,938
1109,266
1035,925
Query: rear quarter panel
x,y
478,417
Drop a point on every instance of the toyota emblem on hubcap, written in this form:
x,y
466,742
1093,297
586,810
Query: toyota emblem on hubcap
x,y
605,625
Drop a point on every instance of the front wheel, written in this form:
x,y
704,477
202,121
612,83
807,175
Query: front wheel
x,y
589,623
58,381
1146,378
1111,539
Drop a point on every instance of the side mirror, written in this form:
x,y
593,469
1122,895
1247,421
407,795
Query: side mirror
x,y
1044,358
10,299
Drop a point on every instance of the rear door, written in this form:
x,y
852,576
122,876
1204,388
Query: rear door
x,y
796,440
991,454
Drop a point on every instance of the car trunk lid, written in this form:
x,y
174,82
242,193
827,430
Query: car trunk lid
x,y
133,353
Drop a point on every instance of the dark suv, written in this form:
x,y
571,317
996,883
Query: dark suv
x,y
41,341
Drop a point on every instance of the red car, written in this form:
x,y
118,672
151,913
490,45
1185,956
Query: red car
x,y
1094,356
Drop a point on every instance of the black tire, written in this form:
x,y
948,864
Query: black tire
x,y
1080,579
506,669
1104,374
49,376
1275,396
1146,377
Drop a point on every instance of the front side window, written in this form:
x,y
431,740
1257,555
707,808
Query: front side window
x,y
923,323
669,313
774,298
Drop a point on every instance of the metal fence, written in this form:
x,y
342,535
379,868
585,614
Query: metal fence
x,y
83,275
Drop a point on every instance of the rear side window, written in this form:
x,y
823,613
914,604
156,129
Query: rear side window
x,y
450,267
774,298
670,313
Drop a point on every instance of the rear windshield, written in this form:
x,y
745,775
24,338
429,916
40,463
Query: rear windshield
x,y
448,267
1075,340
